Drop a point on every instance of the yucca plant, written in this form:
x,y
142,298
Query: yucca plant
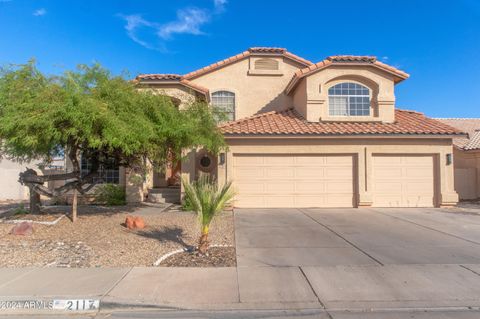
x,y
207,200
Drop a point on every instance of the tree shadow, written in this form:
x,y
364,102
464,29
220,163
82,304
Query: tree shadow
x,y
167,234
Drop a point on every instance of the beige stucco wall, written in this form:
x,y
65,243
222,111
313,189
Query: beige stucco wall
x,y
10,188
254,93
363,149
467,173
184,94
380,83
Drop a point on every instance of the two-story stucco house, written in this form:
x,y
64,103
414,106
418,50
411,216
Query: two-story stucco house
x,y
324,134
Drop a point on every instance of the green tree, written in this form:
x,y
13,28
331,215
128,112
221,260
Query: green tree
x,y
91,112
207,200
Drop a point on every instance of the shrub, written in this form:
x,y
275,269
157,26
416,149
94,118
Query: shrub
x,y
110,194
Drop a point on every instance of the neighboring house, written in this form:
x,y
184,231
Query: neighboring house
x,y
11,189
305,134
466,155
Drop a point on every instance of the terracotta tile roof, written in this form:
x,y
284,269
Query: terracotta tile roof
x,y
160,77
469,125
344,59
289,122
172,78
255,50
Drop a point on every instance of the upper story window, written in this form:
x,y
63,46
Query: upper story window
x,y
224,101
348,99
266,64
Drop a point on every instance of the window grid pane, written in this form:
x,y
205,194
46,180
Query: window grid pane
x,y
110,171
224,101
349,99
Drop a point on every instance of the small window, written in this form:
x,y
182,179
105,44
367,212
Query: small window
x,y
349,99
224,101
266,64
109,171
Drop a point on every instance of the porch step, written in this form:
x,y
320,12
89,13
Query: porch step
x,y
164,195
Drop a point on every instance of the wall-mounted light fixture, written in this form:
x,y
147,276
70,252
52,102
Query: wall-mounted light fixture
x,y
449,158
221,159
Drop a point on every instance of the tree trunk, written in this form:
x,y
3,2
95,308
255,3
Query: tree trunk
x,y
74,206
34,201
203,242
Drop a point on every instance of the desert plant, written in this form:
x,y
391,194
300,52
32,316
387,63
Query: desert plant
x,y
207,200
110,194
20,210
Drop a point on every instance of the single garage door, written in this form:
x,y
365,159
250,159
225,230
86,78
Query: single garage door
x,y
403,181
265,180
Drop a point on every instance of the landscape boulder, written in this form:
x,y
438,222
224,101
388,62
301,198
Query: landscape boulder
x,y
23,228
134,222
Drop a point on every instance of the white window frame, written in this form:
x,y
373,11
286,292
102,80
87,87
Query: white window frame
x,y
333,112
221,106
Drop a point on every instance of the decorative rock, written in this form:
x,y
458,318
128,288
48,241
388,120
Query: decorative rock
x,y
23,229
129,222
139,223
134,222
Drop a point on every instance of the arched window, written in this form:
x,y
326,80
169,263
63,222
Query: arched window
x,y
348,99
224,101
266,64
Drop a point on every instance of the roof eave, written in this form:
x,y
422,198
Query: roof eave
x,y
360,135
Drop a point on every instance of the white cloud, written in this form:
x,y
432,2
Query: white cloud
x,y
219,5
134,22
40,12
189,21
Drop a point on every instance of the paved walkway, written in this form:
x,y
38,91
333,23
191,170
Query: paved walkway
x,y
323,260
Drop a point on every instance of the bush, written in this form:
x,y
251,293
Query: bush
x,y
110,194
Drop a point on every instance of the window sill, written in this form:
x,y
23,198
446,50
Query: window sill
x,y
265,72
350,119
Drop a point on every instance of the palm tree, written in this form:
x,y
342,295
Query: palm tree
x,y
207,200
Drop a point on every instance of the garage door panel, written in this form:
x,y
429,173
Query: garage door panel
x,y
420,172
247,173
339,172
293,181
246,187
279,160
339,187
283,173
309,161
418,188
403,181
310,173
247,161
386,173
314,187
279,201
387,187
286,187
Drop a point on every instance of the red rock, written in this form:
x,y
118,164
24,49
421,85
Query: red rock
x,y
129,222
139,223
24,228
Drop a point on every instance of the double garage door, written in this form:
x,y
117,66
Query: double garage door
x,y
268,180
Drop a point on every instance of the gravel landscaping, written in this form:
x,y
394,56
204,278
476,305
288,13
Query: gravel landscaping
x,y
217,257
99,238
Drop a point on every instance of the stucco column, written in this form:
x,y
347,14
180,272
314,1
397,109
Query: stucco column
x,y
133,186
364,171
188,167
386,110
448,196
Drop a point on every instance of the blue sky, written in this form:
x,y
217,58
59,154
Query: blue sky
x,y
437,42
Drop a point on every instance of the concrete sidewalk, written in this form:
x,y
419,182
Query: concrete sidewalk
x,y
353,288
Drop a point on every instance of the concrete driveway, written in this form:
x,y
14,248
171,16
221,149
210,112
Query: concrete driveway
x,y
334,237
361,258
